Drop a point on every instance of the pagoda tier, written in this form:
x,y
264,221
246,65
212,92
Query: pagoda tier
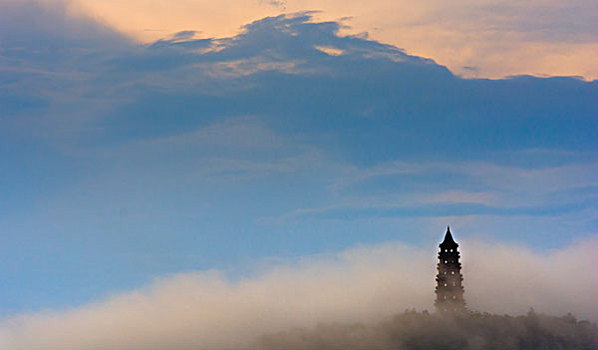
x,y
449,280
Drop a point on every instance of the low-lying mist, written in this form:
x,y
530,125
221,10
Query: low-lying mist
x,y
362,286
423,331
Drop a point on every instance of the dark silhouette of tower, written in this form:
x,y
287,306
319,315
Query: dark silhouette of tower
x,y
449,287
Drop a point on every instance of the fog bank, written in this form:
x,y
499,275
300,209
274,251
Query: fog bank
x,y
205,310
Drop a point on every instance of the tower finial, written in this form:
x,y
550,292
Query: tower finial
x,y
448,239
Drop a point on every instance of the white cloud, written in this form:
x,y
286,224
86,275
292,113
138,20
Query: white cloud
x,y
204,310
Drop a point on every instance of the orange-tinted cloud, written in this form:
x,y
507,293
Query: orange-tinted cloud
x,y
474,39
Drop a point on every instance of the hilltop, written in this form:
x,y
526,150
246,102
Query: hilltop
x,y
421,330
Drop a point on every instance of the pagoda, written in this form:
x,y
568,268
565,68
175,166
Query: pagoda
x,y
449,287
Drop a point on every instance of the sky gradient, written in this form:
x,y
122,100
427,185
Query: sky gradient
x,y
285,141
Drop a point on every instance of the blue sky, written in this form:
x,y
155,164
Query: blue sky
x,y
122,162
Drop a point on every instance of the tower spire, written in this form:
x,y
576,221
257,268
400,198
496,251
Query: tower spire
x,y
449,242
449,288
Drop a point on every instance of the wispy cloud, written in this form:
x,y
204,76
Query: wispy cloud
x,y
431,210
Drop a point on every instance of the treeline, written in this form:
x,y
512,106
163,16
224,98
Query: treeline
x,y
424,331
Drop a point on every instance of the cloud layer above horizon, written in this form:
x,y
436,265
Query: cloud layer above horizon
x,y
204,310
124,162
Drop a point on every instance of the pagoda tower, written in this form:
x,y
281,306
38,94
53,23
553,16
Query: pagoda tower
x,y
449,287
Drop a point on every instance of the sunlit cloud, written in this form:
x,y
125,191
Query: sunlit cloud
x,y
474,39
